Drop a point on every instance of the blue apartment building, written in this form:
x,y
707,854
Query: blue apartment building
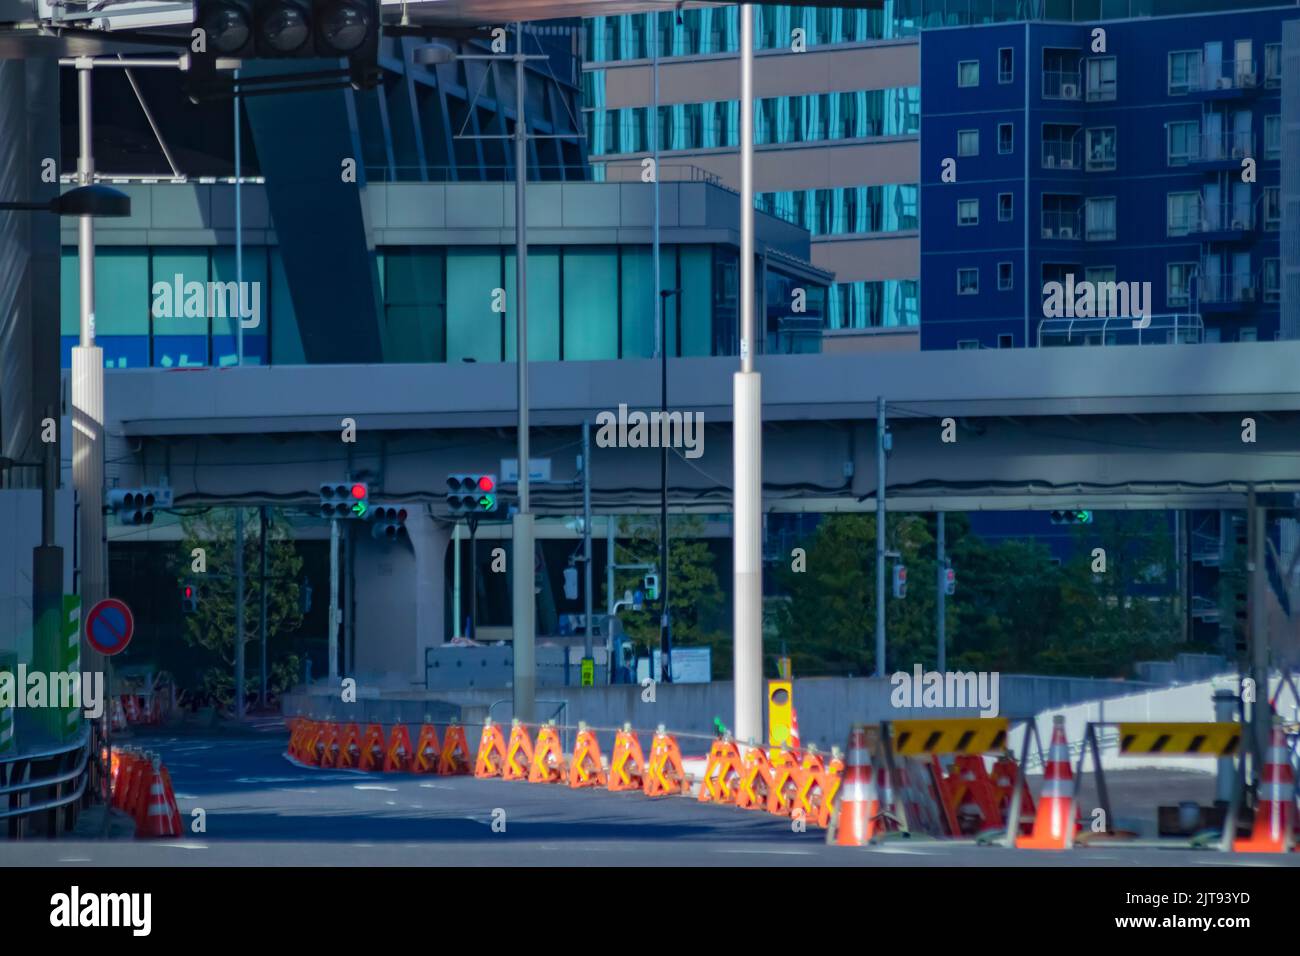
x,y
1110,151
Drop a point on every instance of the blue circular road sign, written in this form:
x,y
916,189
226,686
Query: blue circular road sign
x,y
109,626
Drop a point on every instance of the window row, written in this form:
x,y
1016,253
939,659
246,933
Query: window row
x,y
864,304
846,211
700,32
1215,209
817,117
1223,136
1214,67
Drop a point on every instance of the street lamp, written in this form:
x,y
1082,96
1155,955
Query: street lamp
x,y
665,621
101,202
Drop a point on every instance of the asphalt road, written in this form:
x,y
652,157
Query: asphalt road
x,y
262,810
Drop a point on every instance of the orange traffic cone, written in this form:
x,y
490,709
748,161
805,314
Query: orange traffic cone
x,y
157,818
427,750
455,758
587,768
1055,825
491,751
792,742
548,757
627,765
519,753
372,749
1275,815
400,752
857,805
664,773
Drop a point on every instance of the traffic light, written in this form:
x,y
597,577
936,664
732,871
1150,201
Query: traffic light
x,y
900,581
388,522
133,506
652,587
1071,517
471,494
346,499
189,598
949,581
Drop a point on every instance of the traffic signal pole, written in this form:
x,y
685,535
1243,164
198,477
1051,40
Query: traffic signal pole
x,y
747,463
525,669
880,536
941,576
333,626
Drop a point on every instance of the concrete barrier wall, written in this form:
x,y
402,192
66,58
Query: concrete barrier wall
x,y
826,706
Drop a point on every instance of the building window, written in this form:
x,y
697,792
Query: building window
x,y
865,304
1272,137
968,73
1060,146
1005,276
968,142
846,210
1272,280
1096,274
968,345
1101,78
1184,71
1183,210
1006,341
1006,65
1006,207
1099,219
1178,283
1006,138
968,212
968,281
1100,149
1272,64
1272,208
1183,142
1060,74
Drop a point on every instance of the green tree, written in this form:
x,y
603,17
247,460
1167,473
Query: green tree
x,y
212,627
694,596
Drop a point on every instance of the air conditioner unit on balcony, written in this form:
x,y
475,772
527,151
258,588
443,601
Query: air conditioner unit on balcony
x,y
1047,232
1223,83
1239,225
1066,232
1246,80
1069,91
1067,162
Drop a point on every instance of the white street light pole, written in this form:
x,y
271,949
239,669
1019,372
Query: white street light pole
x,y
747,416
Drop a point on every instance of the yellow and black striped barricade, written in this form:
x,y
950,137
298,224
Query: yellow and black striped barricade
x,y
909,748
1164,738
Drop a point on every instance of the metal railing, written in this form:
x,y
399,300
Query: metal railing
x,y
48,781
1169,329
1062,84
1062,155
1062,224
1228,288
1222,217
1225,75
1216,147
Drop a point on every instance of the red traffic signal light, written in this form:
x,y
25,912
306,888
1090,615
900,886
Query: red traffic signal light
x,y
485,483
358,491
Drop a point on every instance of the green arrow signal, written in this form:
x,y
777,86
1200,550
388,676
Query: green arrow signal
x,y
359,508
487,502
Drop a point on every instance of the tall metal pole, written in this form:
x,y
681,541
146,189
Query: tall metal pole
x,y
88,389
455,580
587,597
941,623
613,652
525,670
747,465
334,601
880,536
661,345
239,613
239,241
1257,583
266,527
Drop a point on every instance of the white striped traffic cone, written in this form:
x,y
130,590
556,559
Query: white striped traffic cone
x,y
1275,815
1054,826
857,804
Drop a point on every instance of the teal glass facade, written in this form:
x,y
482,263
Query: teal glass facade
x,y
864,305
848,210
778,121
716,30
440,304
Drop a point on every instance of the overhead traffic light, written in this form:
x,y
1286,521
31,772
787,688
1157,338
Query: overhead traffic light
x,y
651,587
471,494
191,594
388,522
900,580
133,506
344,499
1071,517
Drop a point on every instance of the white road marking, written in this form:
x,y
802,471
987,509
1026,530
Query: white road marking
x,y
778,852
373,786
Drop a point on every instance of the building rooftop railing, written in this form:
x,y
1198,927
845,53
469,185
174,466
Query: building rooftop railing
x,y
1178,328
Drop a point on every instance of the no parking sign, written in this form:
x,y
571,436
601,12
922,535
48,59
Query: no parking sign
x,y
109,626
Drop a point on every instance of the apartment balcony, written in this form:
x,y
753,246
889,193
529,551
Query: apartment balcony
x,y
1063,225
1063,155
1227,292
1218,151
1223,222
1205,609
1062,85
1225,80
1206,549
